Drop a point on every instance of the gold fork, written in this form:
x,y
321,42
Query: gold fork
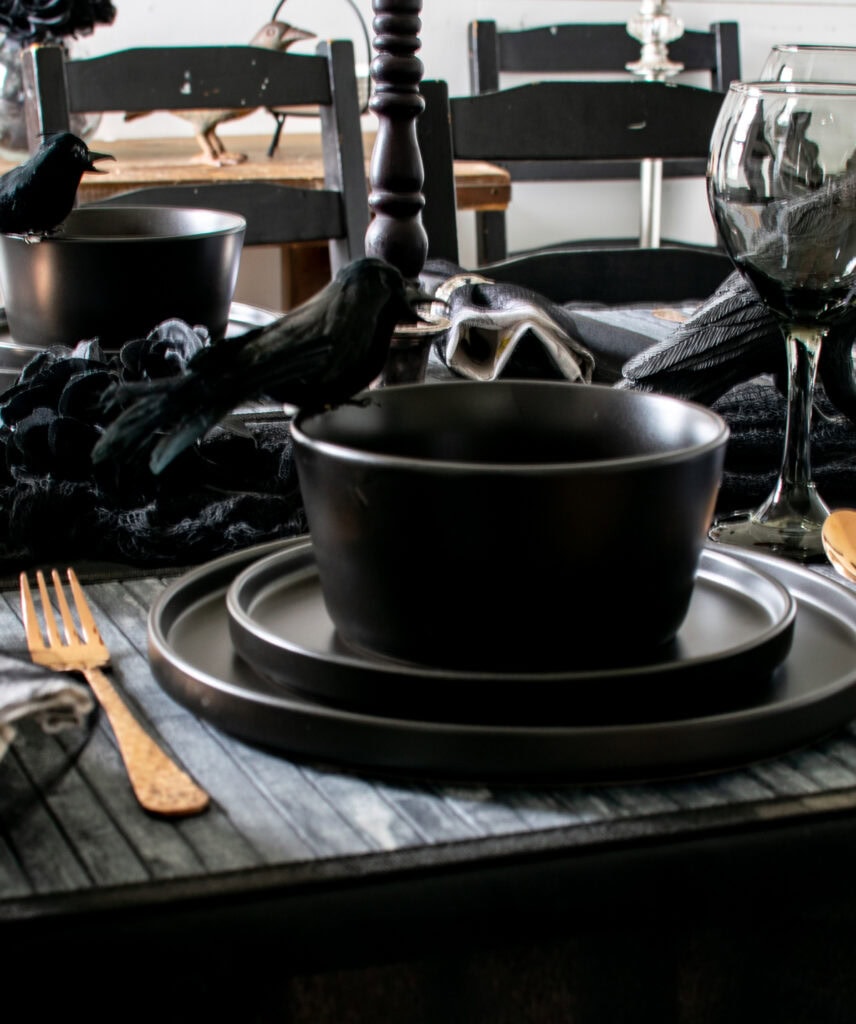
x,y
158,782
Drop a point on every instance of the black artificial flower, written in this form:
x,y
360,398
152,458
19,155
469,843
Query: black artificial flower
x,y
164,352
33,21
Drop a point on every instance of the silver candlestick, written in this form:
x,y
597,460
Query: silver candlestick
x,y
654,27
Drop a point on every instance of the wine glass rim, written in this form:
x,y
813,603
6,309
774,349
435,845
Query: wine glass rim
x,y
790,47
760,87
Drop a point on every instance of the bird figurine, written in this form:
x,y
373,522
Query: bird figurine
x,y
274,35
731,338
37,195
321,353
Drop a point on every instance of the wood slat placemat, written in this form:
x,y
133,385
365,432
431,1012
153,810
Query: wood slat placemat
x,y
69,824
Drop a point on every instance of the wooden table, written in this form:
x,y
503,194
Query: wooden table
x,y
310,894
297,162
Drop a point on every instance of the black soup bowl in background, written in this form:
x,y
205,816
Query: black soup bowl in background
x,y
116,272
508,524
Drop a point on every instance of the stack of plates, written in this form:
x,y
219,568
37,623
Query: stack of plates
x,y
764,662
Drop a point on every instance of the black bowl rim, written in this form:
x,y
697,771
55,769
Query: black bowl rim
x,y
233,223
348,453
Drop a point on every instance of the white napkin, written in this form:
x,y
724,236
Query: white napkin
x,y
489,319
56,702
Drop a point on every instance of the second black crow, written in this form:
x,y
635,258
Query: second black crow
x,y
321,353
39,194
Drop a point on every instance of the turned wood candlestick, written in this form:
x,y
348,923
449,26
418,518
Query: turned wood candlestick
x,y
396,173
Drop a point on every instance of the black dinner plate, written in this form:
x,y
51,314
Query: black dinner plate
x,y
813,693
738,629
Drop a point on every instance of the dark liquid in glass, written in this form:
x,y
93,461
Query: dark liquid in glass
x,y
798,281
800,304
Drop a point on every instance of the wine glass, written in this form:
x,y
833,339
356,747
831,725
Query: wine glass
x,y
810,62
782,190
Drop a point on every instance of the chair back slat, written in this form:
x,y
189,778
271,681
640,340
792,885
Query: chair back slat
x,y
271,211
594,48
549,127
226,78
191,77
585,121
617,275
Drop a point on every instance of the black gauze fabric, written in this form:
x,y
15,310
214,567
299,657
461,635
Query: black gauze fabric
x,y
236,488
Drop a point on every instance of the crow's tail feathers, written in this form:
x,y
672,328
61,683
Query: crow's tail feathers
x,y
167,418
191,428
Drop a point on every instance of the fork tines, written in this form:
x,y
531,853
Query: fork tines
x,y
35,638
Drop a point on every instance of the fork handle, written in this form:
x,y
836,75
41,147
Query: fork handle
x,y
158,783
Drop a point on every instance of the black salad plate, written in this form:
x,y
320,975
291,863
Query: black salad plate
x,y
812,693
738,629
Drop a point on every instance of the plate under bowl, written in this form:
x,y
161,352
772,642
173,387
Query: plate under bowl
x,y
738,629
193,657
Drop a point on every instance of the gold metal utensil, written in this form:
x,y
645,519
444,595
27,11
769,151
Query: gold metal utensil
x,y
159,784
839,541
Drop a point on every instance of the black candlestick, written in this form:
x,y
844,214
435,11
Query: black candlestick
x,y
396,173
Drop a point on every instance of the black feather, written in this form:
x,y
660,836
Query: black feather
x,y
732,338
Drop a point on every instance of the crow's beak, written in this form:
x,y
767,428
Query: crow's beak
x,y
296,35
98,156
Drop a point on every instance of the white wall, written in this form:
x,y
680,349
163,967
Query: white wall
x,y
538,213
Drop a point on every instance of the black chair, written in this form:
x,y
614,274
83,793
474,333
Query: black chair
x,y
166,78
617,275
593,49
496,55
553,123
610,276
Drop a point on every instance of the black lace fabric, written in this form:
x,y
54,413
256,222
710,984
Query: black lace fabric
x,y
755,412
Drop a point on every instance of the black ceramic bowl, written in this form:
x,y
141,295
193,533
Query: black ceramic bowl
x,y
116,272
509,524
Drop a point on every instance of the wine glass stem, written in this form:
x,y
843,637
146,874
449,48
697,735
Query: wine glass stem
x,y
794,493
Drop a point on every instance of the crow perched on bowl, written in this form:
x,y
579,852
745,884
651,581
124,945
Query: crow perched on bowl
x,y
39,194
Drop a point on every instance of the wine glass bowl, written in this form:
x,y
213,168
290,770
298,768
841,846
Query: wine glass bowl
x,y
782,190
810,62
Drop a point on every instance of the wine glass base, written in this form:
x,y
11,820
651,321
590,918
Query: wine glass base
x,y
743,530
